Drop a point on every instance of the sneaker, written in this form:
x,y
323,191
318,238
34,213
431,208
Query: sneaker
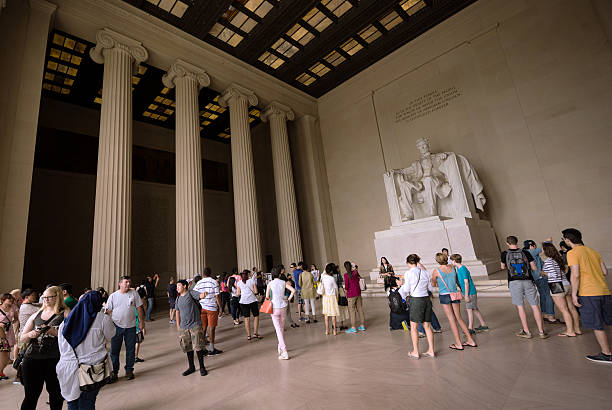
x,y
524,334
362,328
172,322
315,321
189,371
307,321
482,329
3,377
472,331
351,330
601,358
203,372
113,378
138,360
422,335
284,355
214,352
437,331
129,375
543,335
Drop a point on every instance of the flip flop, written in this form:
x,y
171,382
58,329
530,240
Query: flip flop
x,y
566,335
469,345
454,347
428,355
413,356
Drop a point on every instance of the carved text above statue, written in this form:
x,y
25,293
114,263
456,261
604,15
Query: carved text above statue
x,y
426,104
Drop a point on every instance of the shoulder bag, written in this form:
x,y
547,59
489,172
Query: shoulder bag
x,y
266,306
409,297
453,295
556,287
93,376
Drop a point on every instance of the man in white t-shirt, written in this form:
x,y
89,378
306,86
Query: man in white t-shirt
x,y
122,306
210,307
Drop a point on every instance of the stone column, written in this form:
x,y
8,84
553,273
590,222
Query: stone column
x,y
188,80
25,28
113,208
286,206
248,245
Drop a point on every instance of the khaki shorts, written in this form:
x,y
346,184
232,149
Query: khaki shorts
x,y
191,339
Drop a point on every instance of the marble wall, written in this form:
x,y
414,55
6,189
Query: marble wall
x,y
531,85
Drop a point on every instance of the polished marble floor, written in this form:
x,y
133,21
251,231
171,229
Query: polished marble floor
x,y
362,371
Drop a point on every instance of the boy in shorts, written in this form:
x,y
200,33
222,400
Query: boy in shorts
x,y
471,297
520,282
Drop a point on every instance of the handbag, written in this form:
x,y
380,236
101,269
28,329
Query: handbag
x,y
93,376
266,307
556,287
453,295
362,284
320,289
139,336
342,300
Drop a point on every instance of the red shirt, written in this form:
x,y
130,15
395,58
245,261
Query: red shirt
x,y
352,284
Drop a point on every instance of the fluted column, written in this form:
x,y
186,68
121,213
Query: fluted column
x,y
288,226
248,246
188,80
113,210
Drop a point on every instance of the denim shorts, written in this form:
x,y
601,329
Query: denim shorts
x,y
595,311
446,300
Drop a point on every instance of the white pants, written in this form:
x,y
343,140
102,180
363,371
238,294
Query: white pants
x,y
310,302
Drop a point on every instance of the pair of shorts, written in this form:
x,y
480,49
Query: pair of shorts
x,y
473,303
567,290
520,289
595,311
209,318
172,303
298,294
446,300
420,309
4,345
191,339
251,308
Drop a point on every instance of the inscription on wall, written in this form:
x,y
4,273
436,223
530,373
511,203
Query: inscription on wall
x,y
426,104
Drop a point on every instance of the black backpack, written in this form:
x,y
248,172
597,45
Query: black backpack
x,y
396,304
517,264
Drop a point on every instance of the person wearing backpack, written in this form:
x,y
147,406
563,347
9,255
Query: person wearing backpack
x,y
399,315
519,265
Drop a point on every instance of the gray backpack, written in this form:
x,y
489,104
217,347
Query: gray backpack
x,y
517,264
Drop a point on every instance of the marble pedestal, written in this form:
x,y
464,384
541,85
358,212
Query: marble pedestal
x,y
472,238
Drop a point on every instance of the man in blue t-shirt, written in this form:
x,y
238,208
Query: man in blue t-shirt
x,y
296,271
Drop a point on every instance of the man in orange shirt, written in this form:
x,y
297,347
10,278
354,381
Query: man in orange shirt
x,y
590,291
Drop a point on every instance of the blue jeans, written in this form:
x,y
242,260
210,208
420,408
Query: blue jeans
x,y
149,307
130,346
547,306
434,323
86,401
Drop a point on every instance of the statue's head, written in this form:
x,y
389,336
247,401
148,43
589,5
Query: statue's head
x,y
422,145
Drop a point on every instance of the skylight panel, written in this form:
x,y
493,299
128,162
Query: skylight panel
x,y
412,6
390,20
64,58
351,46
285,48
306,79
271,60
226,35
174,7
338,7
319,69
334,58
369,33
259,7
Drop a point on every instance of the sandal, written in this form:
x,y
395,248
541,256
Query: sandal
x,y
410,355
249,338
454,347
469,345
566,335
256,336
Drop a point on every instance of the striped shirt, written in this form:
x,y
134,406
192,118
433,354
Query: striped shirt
x,y
552,270
211,287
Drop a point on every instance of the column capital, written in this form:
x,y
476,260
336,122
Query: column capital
x,y
109,39
182,69
276,108
237,91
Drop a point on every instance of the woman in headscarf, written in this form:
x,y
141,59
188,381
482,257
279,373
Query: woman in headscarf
x,y
82,340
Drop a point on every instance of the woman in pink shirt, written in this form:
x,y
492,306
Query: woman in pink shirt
x,y
353,294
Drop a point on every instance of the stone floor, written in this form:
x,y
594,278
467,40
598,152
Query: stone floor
x,y
362,371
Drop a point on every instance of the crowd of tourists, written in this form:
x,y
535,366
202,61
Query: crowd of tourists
x,y
64,344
